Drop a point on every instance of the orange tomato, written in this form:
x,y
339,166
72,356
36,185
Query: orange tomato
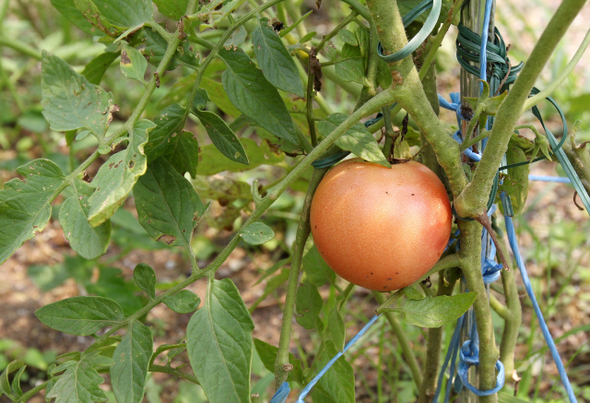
x,y
380,228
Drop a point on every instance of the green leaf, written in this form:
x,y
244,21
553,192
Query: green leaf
x,y
435,312
5,386
352,65
68,9
317,271
116,16
357,139
168,139
81,316
156,46
132,357
90,242
70,102
219,97
47,277
268,356
184,301
348,37
133,64
25,205
337,384
516,182
145,278
173,9
219,343
254,96
308,306
222,136
117,176
257,233
78,384
211,161
167,205
96,68
412,293
274,59
335,329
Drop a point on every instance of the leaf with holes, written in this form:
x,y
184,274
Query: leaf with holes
x,y
117,176
25,205
70,102
132,357
133,64
274,59
145,278
219,343
167,205
81,316
254,96
90,242
357,139
222,136
184,301
257,233
435,312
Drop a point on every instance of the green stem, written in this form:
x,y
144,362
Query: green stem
x,y
403,341
359,8
309,106
174,372
20,47
472,202
471,268
434,344
303,231
29,394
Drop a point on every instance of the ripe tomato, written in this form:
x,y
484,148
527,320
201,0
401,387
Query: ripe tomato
x,y
380,228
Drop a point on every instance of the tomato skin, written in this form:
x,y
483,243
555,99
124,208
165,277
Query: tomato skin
x,y
380,228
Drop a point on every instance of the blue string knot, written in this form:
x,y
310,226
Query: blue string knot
x,y
469,355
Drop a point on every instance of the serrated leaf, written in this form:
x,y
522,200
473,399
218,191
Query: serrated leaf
x,y
70,102
95,69
257,233
337,384
89,242
132,357
133,64
184,301
81,316
317,271
222,136
435,312
308,306
78,384
254,96
348,37
274,59
173,9
116,16
357,139
268,356
117,176
145,278
68,9
219,343
211,161
167,205
25,205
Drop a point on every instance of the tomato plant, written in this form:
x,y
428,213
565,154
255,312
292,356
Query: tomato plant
x,y
381,228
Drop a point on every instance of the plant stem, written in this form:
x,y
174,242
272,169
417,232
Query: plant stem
x,y
405,345
174,372
29,394
471,267
20,47
434,342
473,200
289,308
